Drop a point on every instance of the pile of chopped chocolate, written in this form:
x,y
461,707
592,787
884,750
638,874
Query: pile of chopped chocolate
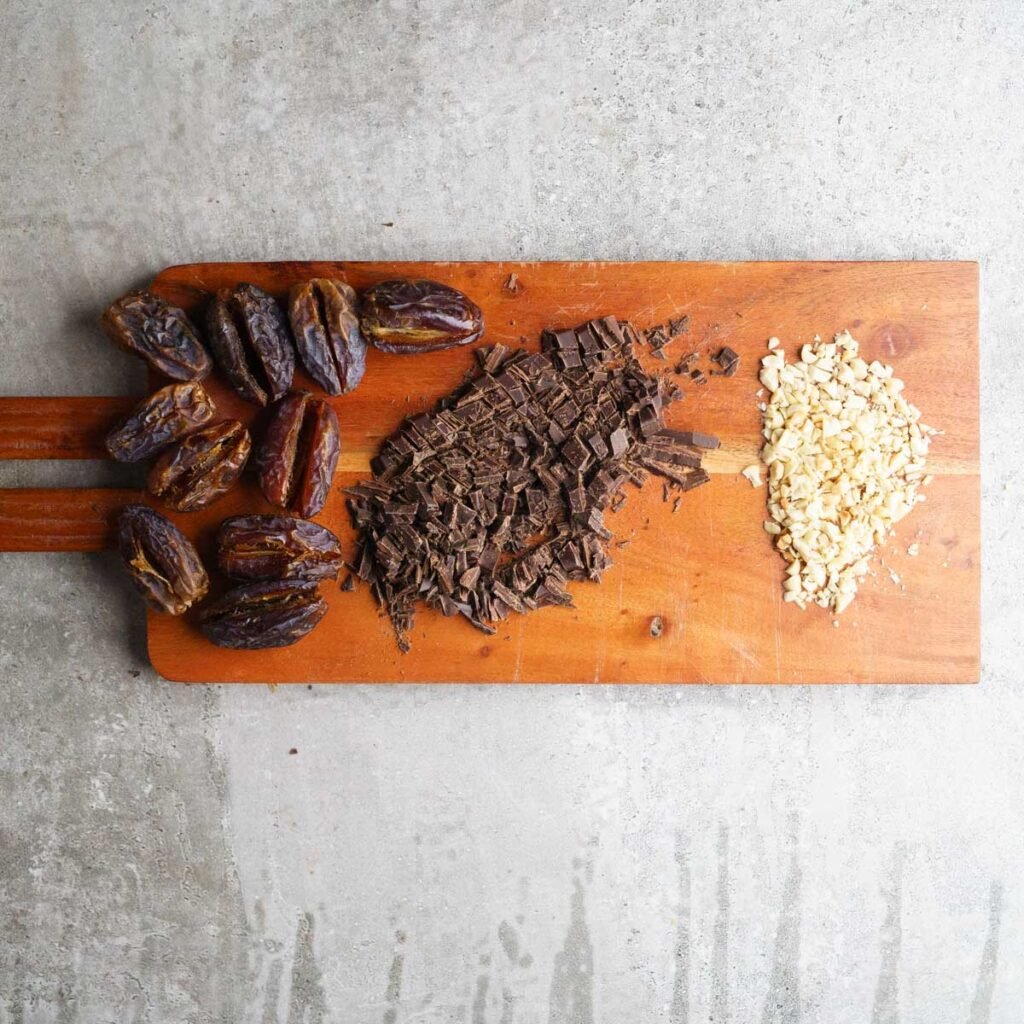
x,y
494,501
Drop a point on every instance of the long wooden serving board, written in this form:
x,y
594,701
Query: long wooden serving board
x,y
708,570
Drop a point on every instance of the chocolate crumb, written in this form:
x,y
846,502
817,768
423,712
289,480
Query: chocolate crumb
x,y
684,364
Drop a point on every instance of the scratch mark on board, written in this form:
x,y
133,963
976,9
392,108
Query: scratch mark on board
x,y
517,671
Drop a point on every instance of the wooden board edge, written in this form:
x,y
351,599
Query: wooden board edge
x,y
178,270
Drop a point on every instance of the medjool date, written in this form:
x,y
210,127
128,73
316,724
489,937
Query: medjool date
x,y
419,316
249,338
146,326
166,416
327,335
260,615
200,467
163,564
261,547
299,454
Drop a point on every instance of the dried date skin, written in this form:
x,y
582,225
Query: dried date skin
x,y
161,560
161,419
325,324
249,338
280,445
299,454
321,453
262,547
419,316
274,613
201,467
268,334
229,350
146,326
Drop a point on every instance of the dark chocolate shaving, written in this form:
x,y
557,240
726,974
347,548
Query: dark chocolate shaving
x,y
495,501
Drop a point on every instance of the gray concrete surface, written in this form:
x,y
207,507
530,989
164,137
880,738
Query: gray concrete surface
x,y
498,855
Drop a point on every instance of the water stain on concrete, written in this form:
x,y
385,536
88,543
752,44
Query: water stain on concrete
x,y
393,993
720,944
981,1005
572,983
886,1009
307,1003
508,1006
679,1010
782,1005
509,939
480,998
273,993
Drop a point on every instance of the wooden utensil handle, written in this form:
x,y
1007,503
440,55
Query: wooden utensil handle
x,y
58,428
60,519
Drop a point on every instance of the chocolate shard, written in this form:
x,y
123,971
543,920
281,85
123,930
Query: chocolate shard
x,y
692,438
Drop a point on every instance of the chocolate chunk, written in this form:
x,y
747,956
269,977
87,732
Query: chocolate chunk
x,y
494,501
728,360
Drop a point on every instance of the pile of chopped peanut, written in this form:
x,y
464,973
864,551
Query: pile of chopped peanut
x,y
845,455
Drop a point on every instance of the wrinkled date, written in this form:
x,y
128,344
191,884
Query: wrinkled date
x,y
158,332
299,454
327,335
163,418
260,547
259,615
249,338
163,564
200,467
419,316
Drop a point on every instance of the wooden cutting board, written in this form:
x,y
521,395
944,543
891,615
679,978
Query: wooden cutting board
x,y
708,571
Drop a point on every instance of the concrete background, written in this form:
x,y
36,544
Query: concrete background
x,y
498,855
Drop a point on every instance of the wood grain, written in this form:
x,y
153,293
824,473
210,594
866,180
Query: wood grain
x,y
59,519
709,571
58,428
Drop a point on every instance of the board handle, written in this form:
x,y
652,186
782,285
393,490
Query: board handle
x,y
58,428
60,519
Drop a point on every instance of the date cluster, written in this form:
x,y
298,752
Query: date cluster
x,y
279,559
